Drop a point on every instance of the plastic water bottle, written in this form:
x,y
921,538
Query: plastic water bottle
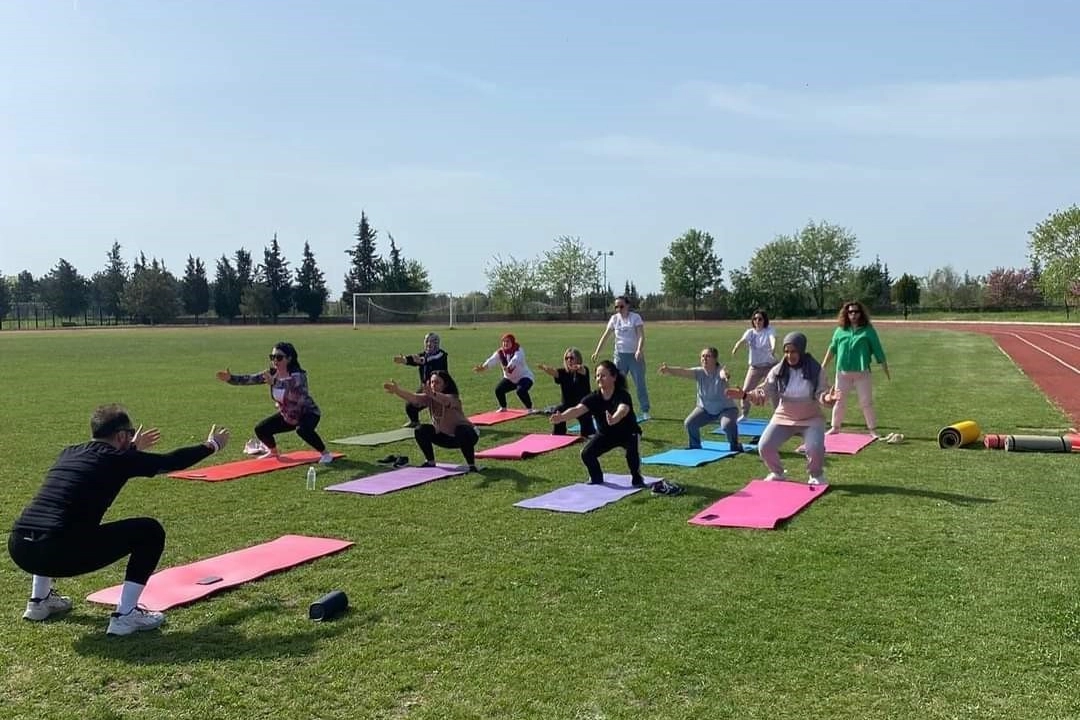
x,y
312,478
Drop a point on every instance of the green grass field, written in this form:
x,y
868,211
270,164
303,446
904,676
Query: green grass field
x,y
925,584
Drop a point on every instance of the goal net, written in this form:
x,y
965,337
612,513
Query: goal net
x,y
392,308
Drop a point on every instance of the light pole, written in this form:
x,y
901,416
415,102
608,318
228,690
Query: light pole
x,y
605,254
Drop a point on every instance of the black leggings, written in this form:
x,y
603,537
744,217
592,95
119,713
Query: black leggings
x,y
275,424
597,445
585,422
522,386
81,551
464,437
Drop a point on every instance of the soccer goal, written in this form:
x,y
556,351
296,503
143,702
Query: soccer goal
x,y
392,308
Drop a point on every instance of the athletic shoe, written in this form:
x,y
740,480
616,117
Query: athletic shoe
x,y
275,453
134,621
254,447
775,476
665,488
412,424
475,469
645,416
426,463
401,461
326,458
500,409
741,418
388,460
833,431
816,480
42,608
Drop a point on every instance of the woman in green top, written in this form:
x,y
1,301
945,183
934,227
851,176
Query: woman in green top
x,y
854,344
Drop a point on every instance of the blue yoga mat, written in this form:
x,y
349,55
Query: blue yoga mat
x,y
685,457
748,428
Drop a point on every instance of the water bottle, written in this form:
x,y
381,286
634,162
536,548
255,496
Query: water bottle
x,y
312,480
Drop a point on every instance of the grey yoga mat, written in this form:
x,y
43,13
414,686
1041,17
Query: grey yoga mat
x,y
1036,443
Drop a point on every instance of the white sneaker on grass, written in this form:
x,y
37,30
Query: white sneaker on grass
x,y
816,479
42,608
775,476
134,621
326,458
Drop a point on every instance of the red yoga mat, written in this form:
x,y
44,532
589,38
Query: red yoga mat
x,y
761,505
495,417
187,583
528,446
243,468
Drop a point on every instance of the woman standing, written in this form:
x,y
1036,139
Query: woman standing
x,y
760,339
712,401
449,428
797,387
297,411
854,344
629,331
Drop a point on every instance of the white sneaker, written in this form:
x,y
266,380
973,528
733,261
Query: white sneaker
x,y
269,454
51,604
816,479
775,476
500,409
326,458
741,418
134,621
645,416
254,447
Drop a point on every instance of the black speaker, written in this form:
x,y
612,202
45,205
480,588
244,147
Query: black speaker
x,y
329,605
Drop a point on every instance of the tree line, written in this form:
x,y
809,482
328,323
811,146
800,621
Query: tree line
x,y
809,272
148,292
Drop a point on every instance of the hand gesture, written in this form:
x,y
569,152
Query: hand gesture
x,y
556,417
544,367
428,390
390,386
735,393
223,375
662,369
831,396
610,417
479,368
639,356
399,359
723,375
218,437
144,439
596,354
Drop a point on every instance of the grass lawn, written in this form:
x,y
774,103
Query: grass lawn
x,y
925,584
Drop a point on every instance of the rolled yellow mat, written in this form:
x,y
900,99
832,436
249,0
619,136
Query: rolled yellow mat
x,y
959,434
1037,443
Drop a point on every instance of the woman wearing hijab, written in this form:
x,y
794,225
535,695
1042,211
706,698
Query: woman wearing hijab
x,y
516,373
798,388
427,361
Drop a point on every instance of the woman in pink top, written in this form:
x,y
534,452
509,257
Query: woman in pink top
x,y
798,387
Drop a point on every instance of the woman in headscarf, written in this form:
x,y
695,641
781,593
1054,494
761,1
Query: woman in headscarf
x,y
516,374
430,359
797,386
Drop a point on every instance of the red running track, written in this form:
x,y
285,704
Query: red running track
x,y
1049,354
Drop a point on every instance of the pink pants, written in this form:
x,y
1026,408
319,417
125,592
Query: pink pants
x,y
863,384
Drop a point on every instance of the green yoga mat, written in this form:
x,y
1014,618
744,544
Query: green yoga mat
x,y
381,438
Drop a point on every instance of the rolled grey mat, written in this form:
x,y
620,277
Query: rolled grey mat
x,y
1036,443
329,605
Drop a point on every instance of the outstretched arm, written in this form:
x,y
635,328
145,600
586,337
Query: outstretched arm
x,y
394,389
548,369
682,372
569,414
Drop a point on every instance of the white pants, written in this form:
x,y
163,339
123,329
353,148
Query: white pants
x,y
863,384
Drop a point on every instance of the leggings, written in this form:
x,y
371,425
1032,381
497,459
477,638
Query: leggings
x,y
597,445
464,437
522,386
275,424
84,550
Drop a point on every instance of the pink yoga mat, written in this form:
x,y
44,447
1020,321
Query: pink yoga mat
x,y
843,443
495,417
396,479
187,583
243,468
760,505
528,446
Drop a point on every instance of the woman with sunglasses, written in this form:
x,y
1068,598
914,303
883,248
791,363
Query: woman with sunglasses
x,y
760,340
629,331
574,384
297,411
855,344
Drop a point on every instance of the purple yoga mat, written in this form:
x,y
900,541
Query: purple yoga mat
x,y
583,497
843,443
760,505
396,479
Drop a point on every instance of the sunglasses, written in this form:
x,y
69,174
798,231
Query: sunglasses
x,y
619,307
277,356
854,311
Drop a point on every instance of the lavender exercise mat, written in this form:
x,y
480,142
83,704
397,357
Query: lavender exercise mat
x,y
397,479
583,497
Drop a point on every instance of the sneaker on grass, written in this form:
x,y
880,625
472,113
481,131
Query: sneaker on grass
x,y
42,608
135,621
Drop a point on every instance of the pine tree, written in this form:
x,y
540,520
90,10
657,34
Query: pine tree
x,y
367,268
226,290
311,290
195,288
274,272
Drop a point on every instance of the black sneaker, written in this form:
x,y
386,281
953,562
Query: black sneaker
x,y
388,460
474,468
638,482
401,461
665,488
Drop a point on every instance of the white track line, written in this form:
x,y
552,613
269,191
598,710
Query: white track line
x,y
1057,340
1050,355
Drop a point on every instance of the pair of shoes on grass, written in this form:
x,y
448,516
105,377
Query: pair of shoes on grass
x,y
663,487
395,460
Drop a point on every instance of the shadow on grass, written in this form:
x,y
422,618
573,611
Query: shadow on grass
x,y
491,474
867,489
219,639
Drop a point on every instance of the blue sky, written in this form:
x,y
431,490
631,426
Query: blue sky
x,y
939,132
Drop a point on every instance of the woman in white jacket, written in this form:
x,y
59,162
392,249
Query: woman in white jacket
x,y
516,373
